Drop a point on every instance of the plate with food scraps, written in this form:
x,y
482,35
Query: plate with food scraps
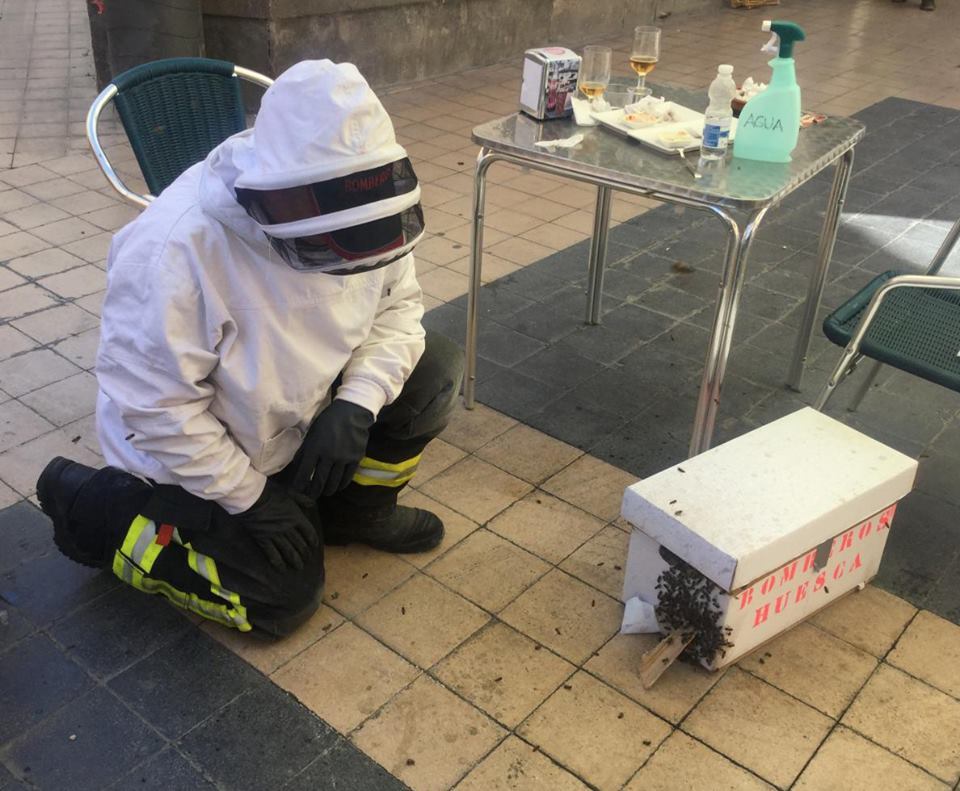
x,y
670,138
680,128
648,111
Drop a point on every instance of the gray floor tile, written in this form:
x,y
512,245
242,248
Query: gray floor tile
x,y
700,283
944,598
766,304
86,745
496,302
580,422
938,476
637,322
923,544
544,322
25,533
531,282
35,680
167,771
624,285
572,300
344,768
683,340
671,301
118,629
505,346
184,682
601,343
13,626
513,392
261,740
621,391
645,446
560,367
50,587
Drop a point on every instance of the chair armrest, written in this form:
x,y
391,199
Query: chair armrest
x,y
93,120
252,76
900,281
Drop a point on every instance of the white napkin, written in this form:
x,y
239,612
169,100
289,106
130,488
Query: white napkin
x,y
567,142
582,112
639,617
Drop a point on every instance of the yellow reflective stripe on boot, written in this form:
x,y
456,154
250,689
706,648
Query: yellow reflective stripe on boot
x,y
381,473
137,556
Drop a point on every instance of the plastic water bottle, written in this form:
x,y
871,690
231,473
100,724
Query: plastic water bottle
x,y
719,114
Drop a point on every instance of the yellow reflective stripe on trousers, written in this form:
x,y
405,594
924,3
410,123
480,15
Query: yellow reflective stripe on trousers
x,y
137,556
381,473
206,567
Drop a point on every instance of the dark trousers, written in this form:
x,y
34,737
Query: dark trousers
x,y
272,600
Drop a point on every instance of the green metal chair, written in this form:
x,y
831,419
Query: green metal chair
x,y
911,322
174,111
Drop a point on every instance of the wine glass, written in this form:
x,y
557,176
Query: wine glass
x,y
645,54
594,72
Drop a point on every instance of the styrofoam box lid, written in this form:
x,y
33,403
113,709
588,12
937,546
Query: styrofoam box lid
x,y
746,507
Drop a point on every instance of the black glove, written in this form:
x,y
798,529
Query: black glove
x,y
332,449
280,527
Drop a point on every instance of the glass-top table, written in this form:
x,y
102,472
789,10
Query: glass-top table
x,y
738,192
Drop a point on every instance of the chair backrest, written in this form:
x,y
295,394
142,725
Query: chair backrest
x,y
174,111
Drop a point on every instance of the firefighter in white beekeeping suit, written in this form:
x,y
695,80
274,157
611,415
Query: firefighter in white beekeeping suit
x,y
265,383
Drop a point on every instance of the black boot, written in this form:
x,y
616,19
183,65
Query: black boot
x,y
927,5
91,509
392,528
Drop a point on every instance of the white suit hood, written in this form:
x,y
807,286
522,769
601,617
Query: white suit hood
x,y
319,120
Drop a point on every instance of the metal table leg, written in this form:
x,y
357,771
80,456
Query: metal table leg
x,y
484,159
828,239
598,254
728,299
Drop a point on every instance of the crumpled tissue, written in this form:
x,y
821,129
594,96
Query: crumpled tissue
x,y
639,617
566,142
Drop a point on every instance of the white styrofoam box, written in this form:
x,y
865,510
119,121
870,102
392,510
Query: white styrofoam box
x,y
782,520
746,506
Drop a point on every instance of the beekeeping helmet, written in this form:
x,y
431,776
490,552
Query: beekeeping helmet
x,y
326,179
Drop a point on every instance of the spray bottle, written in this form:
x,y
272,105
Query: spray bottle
x,y
770,122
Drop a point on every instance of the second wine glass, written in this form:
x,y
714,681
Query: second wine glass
x,y
645,54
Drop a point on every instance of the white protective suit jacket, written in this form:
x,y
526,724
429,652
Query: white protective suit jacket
x,y
215,356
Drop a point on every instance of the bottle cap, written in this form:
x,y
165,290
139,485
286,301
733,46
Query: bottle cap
x,y
725,68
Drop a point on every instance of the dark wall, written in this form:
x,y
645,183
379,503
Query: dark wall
x,y
394,41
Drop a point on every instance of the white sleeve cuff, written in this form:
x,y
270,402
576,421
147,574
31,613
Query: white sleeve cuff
x,y
246,493
363,392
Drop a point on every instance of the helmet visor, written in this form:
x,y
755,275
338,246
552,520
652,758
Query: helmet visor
x,y
359,248
347,224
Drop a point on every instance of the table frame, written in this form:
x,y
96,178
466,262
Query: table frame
x,y
740,235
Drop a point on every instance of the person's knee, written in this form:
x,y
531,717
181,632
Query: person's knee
x,y
441,366
300,598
